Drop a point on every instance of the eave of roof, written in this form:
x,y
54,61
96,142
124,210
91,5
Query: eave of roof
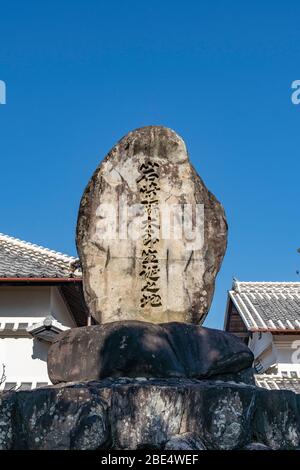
x,y
26,264
21,259
267,306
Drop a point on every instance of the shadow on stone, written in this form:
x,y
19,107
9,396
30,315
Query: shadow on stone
x,y
141,349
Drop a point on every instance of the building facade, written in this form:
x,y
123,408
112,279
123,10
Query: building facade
x,y
266,316
40,296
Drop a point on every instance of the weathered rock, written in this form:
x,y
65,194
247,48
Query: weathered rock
x,y
223,417
7,416
245,376
141,349
206,352
277,419
136,265
146,416
126,413
256,446
185,441
62,418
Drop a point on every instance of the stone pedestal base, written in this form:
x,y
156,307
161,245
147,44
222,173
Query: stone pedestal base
x,y
142,349
150,414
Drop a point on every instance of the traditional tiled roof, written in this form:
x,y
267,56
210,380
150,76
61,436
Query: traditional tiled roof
x,y
273,382
20,259
266,306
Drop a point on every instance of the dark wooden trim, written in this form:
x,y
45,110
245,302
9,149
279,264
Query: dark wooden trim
x,y
19,281
234,323
74,298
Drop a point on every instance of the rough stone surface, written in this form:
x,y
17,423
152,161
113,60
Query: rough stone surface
x,y
141,349
245,376
158,414
186,441
224,416
62,418
280,429
256,446
146,417
7,417
169,277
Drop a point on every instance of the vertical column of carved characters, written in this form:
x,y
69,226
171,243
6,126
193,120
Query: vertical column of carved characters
x,y
149,188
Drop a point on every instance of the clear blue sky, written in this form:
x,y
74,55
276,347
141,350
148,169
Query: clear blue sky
x,y
81,74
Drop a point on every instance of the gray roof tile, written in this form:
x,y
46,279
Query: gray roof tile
x,y
19,259
268,305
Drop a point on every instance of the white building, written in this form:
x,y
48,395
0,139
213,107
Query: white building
x,y
40,295
266,315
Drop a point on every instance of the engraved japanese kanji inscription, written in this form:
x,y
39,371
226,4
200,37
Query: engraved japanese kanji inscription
x,y
150,236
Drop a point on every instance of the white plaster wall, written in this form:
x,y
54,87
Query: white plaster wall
x,y
284,352
28,303
25,358
288,352
260,342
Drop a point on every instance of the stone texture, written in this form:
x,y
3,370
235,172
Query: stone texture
x,y
185,441
278,429
141,349
169,278
61,419
245,376
224,416
146,416
7,417
158,414
256,446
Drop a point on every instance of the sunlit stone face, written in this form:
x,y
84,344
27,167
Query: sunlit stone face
x,y
150,236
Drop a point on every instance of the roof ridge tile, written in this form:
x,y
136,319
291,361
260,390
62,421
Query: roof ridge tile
x,y
35,247
22,259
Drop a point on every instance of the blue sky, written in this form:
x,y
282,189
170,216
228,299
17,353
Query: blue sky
x,y
80,74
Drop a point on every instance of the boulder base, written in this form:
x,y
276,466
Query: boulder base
x,y
141,349
150,414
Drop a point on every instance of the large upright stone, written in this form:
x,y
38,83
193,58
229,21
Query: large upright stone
x,y
150,236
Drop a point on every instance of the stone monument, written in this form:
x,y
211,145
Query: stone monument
x,y
151,239
150,236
